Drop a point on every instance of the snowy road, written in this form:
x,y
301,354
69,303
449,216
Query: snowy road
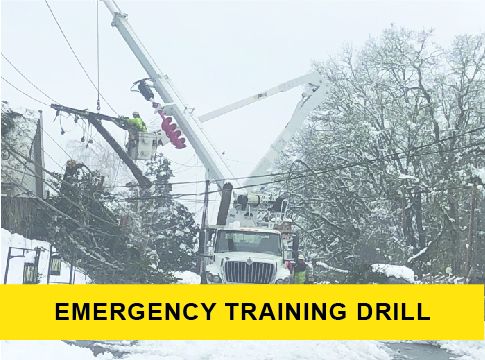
x,y
416,351
226,350
222,350
241,350
395,350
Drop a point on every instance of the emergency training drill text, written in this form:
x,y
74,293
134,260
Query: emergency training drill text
x,y
238,311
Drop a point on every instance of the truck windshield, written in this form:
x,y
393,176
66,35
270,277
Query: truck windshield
x,y
248,241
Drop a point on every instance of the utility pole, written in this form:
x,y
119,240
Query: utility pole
x,y
94,119
203,234
206,203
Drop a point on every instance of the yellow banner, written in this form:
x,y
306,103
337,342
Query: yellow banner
x,y
242,312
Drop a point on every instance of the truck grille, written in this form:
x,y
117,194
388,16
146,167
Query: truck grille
x,y
256,273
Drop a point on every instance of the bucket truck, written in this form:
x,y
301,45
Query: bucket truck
x,y
254,243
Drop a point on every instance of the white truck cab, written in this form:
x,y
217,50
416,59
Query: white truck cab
x,y
247,256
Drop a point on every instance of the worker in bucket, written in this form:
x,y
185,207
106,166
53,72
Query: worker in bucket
x,y
135,126
299,270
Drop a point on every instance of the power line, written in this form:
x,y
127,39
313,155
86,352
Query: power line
x,y
79,61
45,132
172,86
428,190
59,211
30,82
318,171
55,142
41,102
267,183
168,196
42,147
51,186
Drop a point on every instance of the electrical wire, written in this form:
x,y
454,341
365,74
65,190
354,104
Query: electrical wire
x,y
79,61
55,142
315,173
30,82
176,94
318,171
54,188
60,212
41,102
71,185
42,148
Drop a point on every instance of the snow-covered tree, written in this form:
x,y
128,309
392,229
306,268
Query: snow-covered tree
x,y
380,172
170,227
86,230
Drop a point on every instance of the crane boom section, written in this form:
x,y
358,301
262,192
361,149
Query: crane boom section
x,y
305,79
312,98
186,119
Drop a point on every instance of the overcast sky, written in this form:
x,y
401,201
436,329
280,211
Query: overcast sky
x,y
215,52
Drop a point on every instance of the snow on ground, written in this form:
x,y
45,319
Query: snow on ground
x,y
187,277
43,350
230,350
470,349
204,350
268,350
465,349
16,264
399,272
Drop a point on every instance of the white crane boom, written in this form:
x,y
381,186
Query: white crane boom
x,y
174,105
312,78
318,91
312,98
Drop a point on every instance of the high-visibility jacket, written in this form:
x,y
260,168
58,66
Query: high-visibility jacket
x,y
137,124
299,273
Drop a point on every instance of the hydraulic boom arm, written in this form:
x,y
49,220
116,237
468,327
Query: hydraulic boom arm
x,y
312,78
174,105
319,88
310,101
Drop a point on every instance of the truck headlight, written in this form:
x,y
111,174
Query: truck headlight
x,y
209,276
286,280
213,278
